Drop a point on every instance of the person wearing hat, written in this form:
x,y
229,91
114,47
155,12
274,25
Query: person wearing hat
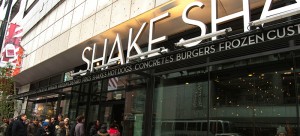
x,y
44,131
281,131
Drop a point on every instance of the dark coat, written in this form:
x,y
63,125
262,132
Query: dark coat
x,y
93,130
32,129
9,129
43,132
19,128
72,130
51,128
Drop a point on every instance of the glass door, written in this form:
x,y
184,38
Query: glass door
x,y
123,102
112,113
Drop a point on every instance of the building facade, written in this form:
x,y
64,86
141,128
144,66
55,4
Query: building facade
x,y
138,63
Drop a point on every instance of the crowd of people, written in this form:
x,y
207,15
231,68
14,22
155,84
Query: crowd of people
x,y
21,126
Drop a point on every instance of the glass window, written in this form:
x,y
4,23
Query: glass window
x,y
65,103
30,110
248,97
134,111
256,100
29,5
180,99
67,76
55,79
15,10
74,104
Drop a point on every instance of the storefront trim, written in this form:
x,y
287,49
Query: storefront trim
x,y
271,33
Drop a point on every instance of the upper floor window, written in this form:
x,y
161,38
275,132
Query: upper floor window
x,y
15,9
29,5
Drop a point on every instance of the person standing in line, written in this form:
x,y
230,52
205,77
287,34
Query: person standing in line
x,y
95,128
113,130
79,128
44,130
281,131
60,118
67,126
9,128
27,122
102,131
72,129
3,127
33,127
60,129
19,127
51,126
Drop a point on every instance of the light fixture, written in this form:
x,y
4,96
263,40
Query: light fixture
x,y
160,50
287,73
183,43
275,17
106,65
81,72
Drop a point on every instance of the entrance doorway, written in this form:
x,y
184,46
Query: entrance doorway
x,y
105,101
117,112
112,112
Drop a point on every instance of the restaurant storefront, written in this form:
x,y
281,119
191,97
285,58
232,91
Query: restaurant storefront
x,y
242,83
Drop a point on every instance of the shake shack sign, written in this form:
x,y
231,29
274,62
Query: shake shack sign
x,y
203,49
194,47
250,38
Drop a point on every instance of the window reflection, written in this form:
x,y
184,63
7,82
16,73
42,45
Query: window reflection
x,y
273,88
249,97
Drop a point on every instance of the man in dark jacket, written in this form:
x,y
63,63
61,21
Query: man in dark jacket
x,y
51,126
95,128
19,127
33,127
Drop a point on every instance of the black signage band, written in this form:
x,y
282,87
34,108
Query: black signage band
x,y
233,42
